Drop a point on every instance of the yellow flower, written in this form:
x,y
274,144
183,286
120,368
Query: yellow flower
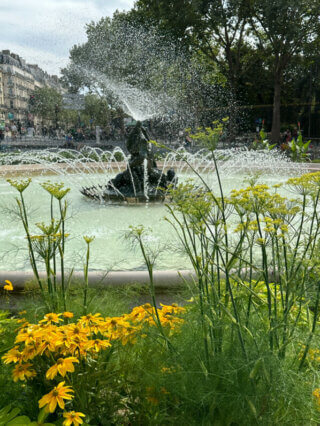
x,y
8,286
22,372
67,314
90,319
97,344
56,396
73,418
75,330
62,366
20,185
63,340
87,239
261,241
316,394
29,352
50,318
12,356
26,335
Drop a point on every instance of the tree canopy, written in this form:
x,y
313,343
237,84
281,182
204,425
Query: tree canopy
x,y
203,58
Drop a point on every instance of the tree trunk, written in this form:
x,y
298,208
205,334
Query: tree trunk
x,y
275,131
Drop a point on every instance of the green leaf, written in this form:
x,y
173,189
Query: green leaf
x,y
8,416
306,145
228,313
252,407
5,410
256,368
21,420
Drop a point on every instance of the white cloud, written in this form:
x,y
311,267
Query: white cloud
x,y
44,31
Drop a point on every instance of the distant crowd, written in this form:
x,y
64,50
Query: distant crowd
x,y
16,131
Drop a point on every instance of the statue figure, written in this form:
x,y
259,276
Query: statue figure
x,y
141,171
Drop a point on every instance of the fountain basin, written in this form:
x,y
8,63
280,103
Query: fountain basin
x,y
107,222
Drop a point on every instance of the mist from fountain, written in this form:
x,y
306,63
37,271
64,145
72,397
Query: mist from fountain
x,y
92,162
145,73
139,104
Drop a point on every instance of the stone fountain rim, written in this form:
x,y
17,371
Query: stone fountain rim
x,y
163,279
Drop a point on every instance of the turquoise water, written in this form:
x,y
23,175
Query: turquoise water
x,y
107,222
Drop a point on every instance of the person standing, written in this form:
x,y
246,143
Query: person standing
x,y
7,133
19,126
13,131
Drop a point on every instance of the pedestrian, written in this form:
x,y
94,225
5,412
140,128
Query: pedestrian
x,y
19,126
69,139
13,131
7,133
30,131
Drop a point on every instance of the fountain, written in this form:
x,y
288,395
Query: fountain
x,y
108,222
141,181
150,79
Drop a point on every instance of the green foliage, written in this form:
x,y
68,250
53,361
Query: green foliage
x,y
262,142
98,110
9,417
209,137
266,224
299,148
244,352
272,27
212,27
46,103
118,156
238,38
48,246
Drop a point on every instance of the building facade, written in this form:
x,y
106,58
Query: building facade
x,y
18,80
2,105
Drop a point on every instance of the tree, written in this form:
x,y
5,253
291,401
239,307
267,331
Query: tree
x,y
98,110
142,69
46,103
216,27
285,27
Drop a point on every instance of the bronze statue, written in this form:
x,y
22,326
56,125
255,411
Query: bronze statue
x,y
141,171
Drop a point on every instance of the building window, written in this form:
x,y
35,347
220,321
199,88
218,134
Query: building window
x,y
11,104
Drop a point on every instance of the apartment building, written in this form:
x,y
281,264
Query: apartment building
x,y
17,82
2,106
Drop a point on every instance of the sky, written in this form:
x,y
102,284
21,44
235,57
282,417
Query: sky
x,y
43,31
